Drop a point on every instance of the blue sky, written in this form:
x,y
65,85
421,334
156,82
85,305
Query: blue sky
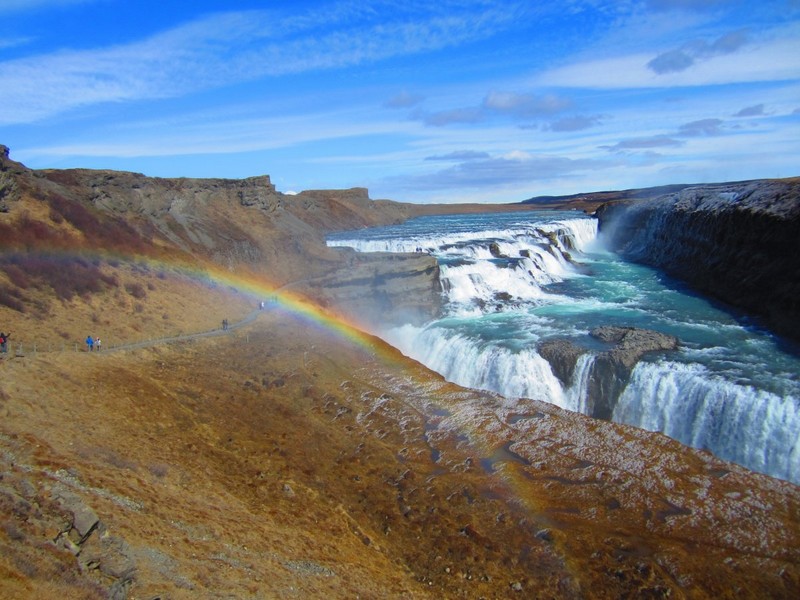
x,y
446,101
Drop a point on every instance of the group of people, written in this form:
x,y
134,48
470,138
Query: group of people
x,y
4,342
93,344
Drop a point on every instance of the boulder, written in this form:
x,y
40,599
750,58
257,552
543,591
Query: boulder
x,y
494,250
612,367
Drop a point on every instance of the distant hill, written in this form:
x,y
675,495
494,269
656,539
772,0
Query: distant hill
x,y
591,200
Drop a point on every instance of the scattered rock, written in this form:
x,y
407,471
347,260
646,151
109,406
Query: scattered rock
x,y
494,250
545,535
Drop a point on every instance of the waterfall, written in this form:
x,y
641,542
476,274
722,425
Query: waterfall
x,y
755,428
576,394
477,365
513,281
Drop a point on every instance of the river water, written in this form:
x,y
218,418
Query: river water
x,y
512,280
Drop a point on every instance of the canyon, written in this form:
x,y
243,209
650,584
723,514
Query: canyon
x,y
734,242
291,456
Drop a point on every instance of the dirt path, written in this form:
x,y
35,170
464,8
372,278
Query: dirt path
x,y
190,336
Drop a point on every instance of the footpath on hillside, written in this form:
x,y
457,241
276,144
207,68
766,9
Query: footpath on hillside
x,y
189,336
19,351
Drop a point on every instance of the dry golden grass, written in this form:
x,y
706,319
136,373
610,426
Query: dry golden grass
x,y
282,461
146,304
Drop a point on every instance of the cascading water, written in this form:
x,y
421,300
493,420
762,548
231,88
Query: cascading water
x,y
514,280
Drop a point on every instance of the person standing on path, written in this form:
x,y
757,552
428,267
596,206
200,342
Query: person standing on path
x,y
97,343
89,343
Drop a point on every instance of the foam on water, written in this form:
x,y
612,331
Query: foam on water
x,y
737,422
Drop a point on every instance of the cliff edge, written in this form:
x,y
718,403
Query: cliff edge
x,y
735,242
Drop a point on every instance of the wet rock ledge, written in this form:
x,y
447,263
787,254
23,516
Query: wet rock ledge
x,y
611,368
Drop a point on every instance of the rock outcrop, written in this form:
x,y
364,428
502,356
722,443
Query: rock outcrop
x,y
737,242
611,368
379,289
563,355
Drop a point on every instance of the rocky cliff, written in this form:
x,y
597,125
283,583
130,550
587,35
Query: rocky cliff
x,y
242,225
735,242
611,367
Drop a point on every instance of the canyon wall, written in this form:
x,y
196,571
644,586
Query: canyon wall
x,y
244,226
737,242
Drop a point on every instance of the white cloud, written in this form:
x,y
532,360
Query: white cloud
x,y
459,155
524,105
403,99
223,49
215,134
689,53
644,143
13,42
690,5
757,110
776,60
701,127
574,123
513,168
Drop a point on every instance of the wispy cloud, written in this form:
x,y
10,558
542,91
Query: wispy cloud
x,y
460,156
513,105
525,105
404,99
466,95
701,127
223,49
13,42
575,123
689,5
509,169
221,132
774,59
645,143
9,6
468,114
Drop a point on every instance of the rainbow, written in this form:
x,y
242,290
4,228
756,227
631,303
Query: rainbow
x,y
259,288
252,285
